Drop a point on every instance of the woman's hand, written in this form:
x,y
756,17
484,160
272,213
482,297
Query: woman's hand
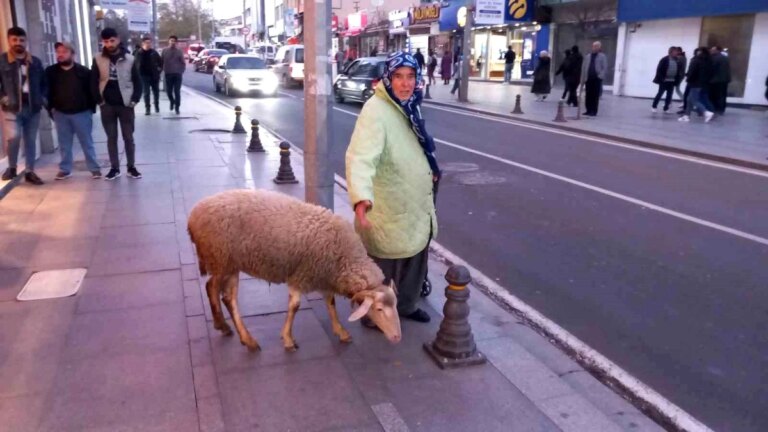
x,y
361,209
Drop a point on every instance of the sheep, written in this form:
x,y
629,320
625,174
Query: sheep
x,y
279,239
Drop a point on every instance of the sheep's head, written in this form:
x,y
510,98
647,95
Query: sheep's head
x,y
380,304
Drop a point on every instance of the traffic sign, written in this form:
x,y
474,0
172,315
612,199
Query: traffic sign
x,y
245,31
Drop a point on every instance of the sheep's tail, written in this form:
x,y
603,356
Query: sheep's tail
x,y
200,261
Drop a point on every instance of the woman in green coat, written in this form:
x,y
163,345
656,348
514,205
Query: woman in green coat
x,y
392,175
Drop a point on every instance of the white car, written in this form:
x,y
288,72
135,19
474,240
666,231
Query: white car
x,y
242,74
289,65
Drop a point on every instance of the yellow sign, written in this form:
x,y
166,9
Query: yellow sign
x,y
427,13
517,8
461,16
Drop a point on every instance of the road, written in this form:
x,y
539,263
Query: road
x,y
657,262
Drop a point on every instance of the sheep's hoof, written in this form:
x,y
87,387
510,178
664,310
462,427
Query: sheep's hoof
x,y
252,345
292,346
345,338
223,328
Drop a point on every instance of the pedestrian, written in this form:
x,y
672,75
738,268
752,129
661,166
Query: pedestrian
x,y
572,76
150,67
173,67
698,77
721,76
116,84
22,91
339,61
392,176
458,70
541,84
682,62
592,75
563,65
445,67
431,66
71,105
420,58
509,64
669,74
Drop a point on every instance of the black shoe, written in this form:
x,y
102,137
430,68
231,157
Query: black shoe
x,y
31,177
147,112
171,106
134,173
418,315
113,174
157,108
9,174
177,110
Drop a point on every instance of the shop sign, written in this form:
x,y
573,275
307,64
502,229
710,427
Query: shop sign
x,y
426,13
519,11
450,12
490,12
334,23
398,22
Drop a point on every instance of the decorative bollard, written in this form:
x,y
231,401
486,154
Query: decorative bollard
x,y
427,95
454,345
255,144
238,128
285,172
518,109
560,117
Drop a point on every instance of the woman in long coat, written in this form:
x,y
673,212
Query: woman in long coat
x,y
541,85
392,175
445,67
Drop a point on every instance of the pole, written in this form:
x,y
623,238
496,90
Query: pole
x,y
318,173
155,36
199,24
465,53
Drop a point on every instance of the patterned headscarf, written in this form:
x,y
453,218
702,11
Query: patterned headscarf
x,y
412,106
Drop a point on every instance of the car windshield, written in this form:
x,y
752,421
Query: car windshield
x,y
217,52
300,55
246,63
371,70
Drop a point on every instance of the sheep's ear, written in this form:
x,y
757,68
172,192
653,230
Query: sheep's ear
x,y
362,309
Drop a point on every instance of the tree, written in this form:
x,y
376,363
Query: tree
x,y
118,21
179,17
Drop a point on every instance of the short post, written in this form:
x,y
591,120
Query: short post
x,y
255,144
427,95
578,103
285,172
560,117
454,345
518,109
238,128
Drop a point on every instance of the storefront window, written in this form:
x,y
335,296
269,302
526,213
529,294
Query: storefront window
x,y
734,34
583,34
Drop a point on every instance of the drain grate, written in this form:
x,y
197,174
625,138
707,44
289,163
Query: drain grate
x,y
210,131
52,284
181,118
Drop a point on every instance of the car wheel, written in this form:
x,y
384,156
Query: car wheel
x,y
216,87
338,97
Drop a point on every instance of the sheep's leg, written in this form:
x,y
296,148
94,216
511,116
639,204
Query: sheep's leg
x,y
213,288
338,330
294,301
231,283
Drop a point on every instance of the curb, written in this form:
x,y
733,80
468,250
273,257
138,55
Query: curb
x,y
669,149
8,187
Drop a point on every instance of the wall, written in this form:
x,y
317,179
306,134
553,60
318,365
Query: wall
x,y
639,10
754,92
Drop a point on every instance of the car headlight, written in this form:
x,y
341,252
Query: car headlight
x,y
269,83
240,82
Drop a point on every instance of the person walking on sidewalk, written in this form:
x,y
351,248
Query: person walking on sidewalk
x,y
445,67
431,66
420,58
393,175
71,105
509,64
22,91
541,85
721,77
698,78
682,62
572,76
116,85
150,66
458,70
174,67
561,69
592,75
668,76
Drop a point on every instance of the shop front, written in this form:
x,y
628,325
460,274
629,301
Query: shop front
x,y
424,27
398,31
490,43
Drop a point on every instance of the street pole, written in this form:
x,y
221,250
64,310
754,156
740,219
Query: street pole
x,y
318,173
155,36
465,53
199,24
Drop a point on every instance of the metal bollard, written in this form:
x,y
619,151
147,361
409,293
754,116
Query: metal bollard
x,y
518,109
560,117
454,345
427,95
285,172
238,128
255,144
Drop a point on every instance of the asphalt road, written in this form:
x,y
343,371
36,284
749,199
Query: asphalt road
x,y
657,262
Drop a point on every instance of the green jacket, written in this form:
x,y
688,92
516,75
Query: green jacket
x,y
387,166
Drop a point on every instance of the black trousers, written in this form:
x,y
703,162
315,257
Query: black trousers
x,y
111,115
669,88
685,96
151,83
408,275
718,94
173,88
592,88
571,89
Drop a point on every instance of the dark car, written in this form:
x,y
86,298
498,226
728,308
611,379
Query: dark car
x,y
207,59
358,80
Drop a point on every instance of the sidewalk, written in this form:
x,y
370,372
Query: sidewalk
x,y
135,348
742,134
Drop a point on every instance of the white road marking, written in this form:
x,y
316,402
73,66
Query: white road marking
x,y
692,159
389,418
641,203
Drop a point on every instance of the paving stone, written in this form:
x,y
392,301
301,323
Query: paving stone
x,y
574,413
120,237
22,414
210,414
102,293
155,211
59,254
137,259
190,272
12,281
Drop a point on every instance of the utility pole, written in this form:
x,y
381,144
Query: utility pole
x,y
318,173
465,53
199,24
155,35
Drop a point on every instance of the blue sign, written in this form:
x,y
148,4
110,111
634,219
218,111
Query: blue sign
x,y
642,10
449,15
519,11
453,13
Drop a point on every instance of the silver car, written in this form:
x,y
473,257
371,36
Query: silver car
x,y
243,74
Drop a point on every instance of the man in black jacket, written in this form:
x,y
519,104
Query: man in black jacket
x,y
721,77
150,65
509,64
71,105
668,76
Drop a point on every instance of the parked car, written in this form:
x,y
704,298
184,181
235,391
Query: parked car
x,y
289,65
207,59
243,73
193,50
265,51
358,80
